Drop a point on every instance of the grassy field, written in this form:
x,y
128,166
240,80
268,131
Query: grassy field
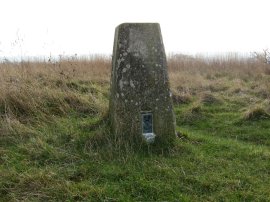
x,y
55,143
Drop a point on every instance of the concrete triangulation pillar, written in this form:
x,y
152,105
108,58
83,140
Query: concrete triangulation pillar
x,y
141,108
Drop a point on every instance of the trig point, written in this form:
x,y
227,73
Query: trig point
x,y
140,102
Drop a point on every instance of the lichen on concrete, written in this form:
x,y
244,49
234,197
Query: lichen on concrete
x,y
139,82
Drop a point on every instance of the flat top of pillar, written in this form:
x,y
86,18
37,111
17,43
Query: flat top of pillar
x,y
138,24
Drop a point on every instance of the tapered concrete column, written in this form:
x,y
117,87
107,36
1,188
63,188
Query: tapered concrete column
x,y
141,108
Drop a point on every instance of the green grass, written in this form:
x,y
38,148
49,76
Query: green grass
x,y
226,121
55,144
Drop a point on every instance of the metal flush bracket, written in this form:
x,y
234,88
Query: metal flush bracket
x,y
147,126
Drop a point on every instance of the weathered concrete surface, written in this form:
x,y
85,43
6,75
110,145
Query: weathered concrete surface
x,y
139,83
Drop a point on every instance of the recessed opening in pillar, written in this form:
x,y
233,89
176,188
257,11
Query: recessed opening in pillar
x,y
147,127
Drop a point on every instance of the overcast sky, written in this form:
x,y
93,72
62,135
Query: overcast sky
x,y
44,27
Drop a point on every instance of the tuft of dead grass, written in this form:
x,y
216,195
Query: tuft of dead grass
x,y
193,113
256,113
209,99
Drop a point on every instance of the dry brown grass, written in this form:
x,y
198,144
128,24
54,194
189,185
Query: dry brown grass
x,y
229,76
35,89
52,87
